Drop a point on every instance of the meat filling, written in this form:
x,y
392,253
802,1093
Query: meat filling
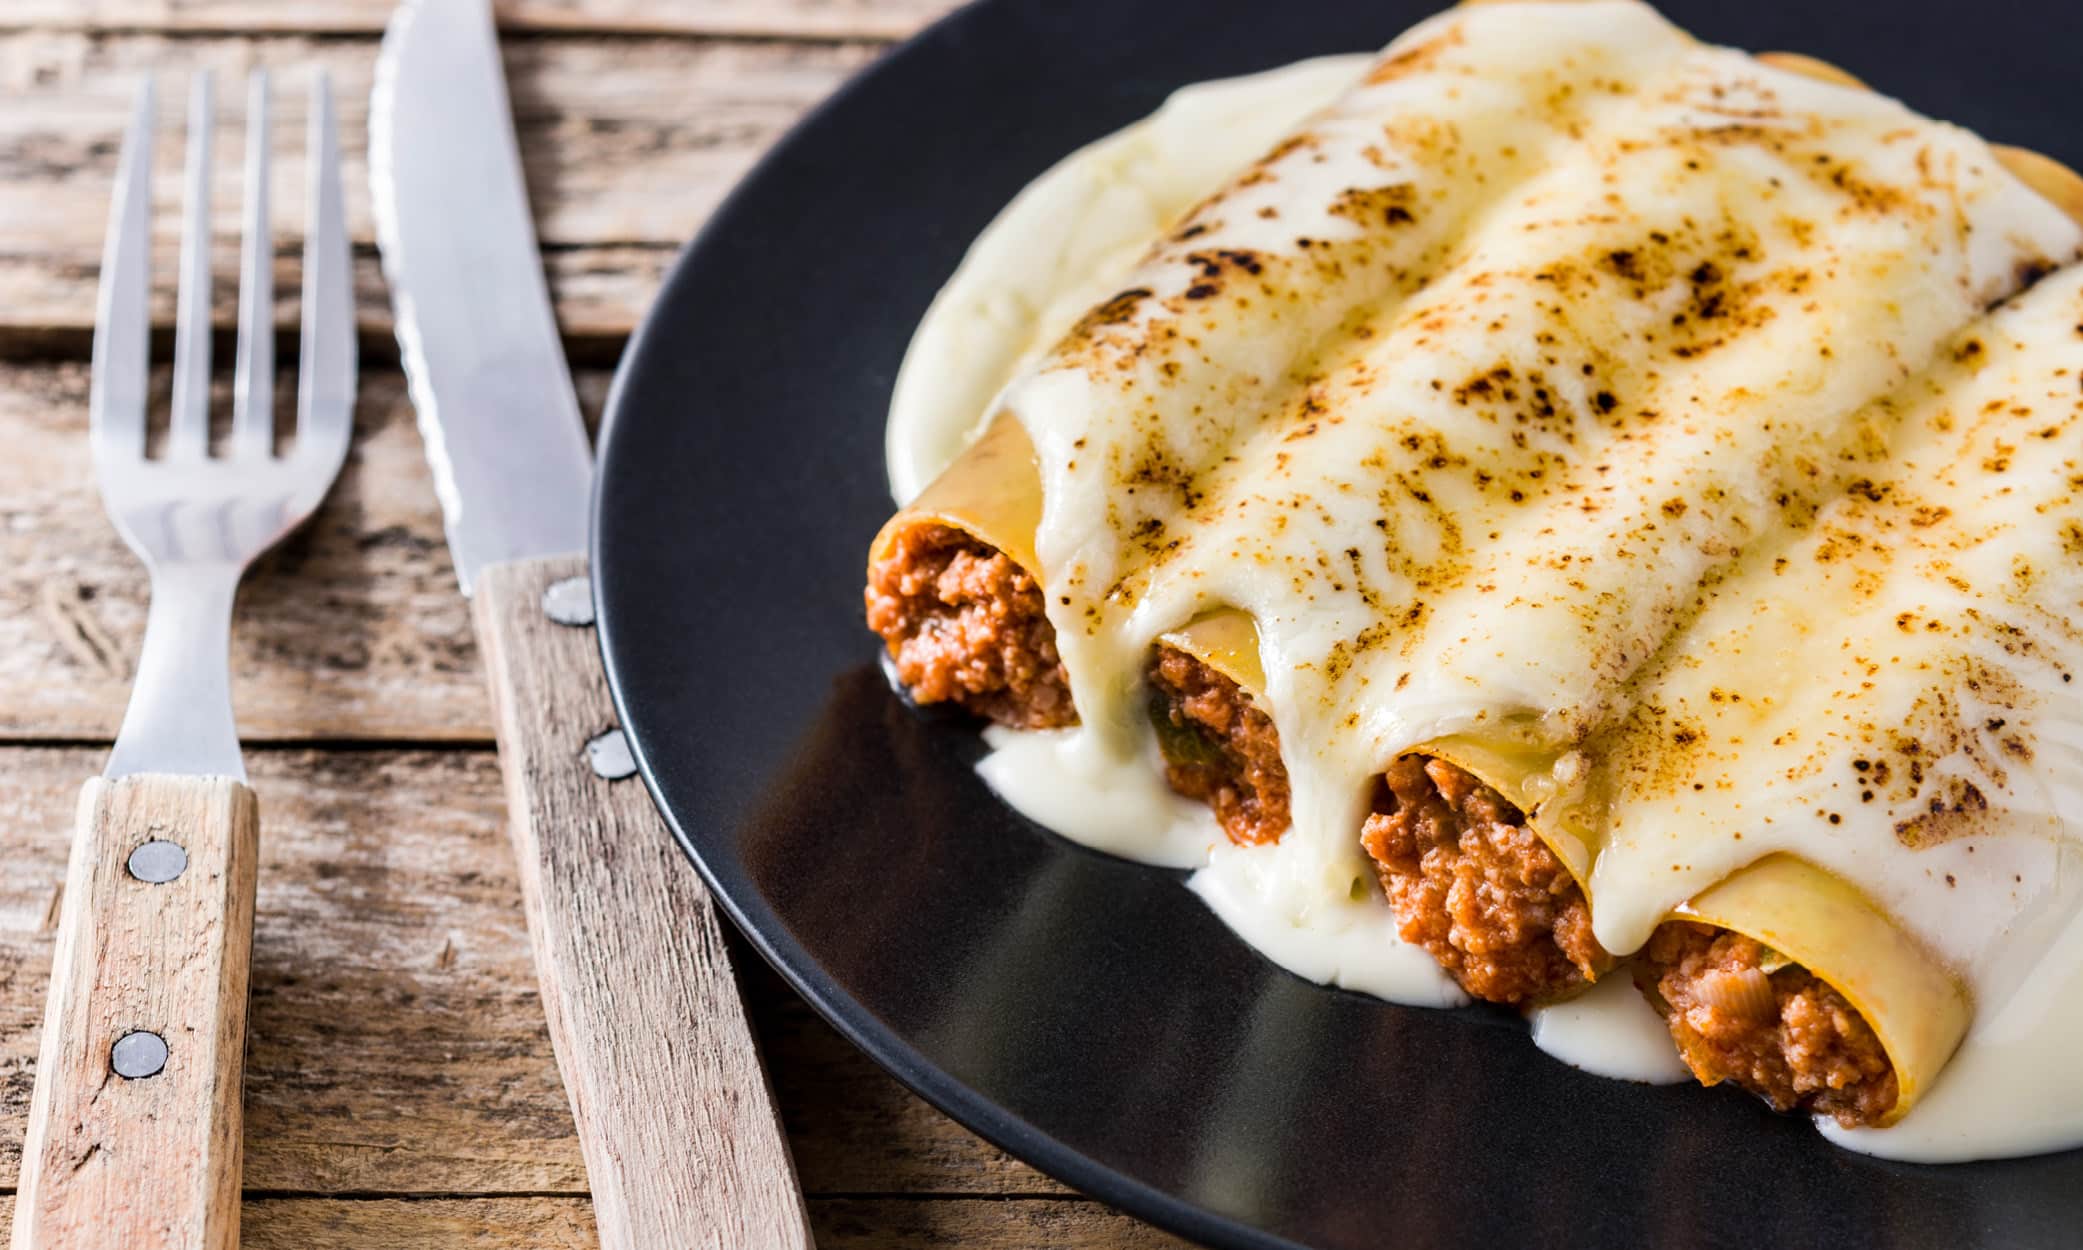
x,y
1740,1013
966,624
1218,747
1476,888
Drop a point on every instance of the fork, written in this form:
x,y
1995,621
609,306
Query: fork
x,y
135,1132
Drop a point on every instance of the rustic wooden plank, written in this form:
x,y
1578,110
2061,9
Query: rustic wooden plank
x,y
803,19
534,1223
678,1128
600,292
979,1224
628,145
396,1041
353,628
398,1045
390,1224
153,1158
555,1223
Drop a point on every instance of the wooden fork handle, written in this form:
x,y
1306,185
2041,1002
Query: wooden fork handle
x,y
675,1117
130,1145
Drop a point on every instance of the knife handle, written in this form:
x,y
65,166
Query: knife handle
x,y
675,1118
135,1130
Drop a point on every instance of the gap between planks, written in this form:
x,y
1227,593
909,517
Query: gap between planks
x,y
628,145
398,1045
566,1223
352,630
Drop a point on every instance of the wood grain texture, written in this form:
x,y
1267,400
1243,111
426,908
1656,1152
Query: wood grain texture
x,y
813,19
153,1161
566,1223
351,628
401,1089
675,1118
397,1043
628,145
886,1224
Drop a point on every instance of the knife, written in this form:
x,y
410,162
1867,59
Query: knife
x,y
674,1114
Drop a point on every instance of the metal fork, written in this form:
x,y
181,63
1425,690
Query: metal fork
x,y
135,1133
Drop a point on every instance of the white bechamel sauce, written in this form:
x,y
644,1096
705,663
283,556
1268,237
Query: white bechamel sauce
x,y
1054,778
1311,438
1610,1030
2015,1087
1065,243
1070,237
1346,939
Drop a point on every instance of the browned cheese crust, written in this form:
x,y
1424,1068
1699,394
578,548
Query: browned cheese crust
x,y
1476,888
1784,1035
1218,747
966,624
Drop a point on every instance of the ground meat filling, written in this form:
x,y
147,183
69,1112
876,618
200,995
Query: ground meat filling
x,y
1739,1013
1218,747
1476,888
966,624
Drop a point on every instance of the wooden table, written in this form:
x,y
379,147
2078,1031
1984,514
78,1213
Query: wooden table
x,y
400,1089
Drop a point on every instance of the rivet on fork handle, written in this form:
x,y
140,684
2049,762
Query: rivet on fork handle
x,y
135,1134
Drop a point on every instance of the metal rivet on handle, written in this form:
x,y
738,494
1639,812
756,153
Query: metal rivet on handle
x,y
138,1055
610,756
569,602
158,861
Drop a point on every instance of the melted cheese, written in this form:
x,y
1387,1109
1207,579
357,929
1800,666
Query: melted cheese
x,y
1066,241
1571,385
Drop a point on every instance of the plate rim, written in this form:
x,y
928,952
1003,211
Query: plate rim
x,y
803,973
845,1013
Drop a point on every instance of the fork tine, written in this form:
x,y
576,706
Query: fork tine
x,y
122,322
325,381
253,383
188,434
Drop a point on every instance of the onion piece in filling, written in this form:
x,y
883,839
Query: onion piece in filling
x,y
952,591
1789,982
1475,886
1733,974
1219,746
1741,1012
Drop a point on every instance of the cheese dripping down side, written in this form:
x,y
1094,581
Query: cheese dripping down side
x,y
1498,243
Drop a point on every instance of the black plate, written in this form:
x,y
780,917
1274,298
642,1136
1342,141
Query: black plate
x,y
1087,1014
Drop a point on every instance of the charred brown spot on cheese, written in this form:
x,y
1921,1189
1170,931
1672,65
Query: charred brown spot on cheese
x,y
1478,889
1218,746
1417,58
966,624
1393,205
1119,310
1739,1013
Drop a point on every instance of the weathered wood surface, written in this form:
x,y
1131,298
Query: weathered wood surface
x,y
398,1045
401,1089
812,19
674,1116
352,628
628,146
562,1223
155,1160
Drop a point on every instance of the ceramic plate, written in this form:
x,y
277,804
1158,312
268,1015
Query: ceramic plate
x,y
1088,1014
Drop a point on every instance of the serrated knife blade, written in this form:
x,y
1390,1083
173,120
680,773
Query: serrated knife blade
x,y
482,354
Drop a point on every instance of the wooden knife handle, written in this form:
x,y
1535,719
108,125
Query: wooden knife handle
x,y
132,1143
675,1117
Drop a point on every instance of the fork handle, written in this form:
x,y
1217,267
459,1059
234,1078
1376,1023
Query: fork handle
x,y
675,1118
120,1151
